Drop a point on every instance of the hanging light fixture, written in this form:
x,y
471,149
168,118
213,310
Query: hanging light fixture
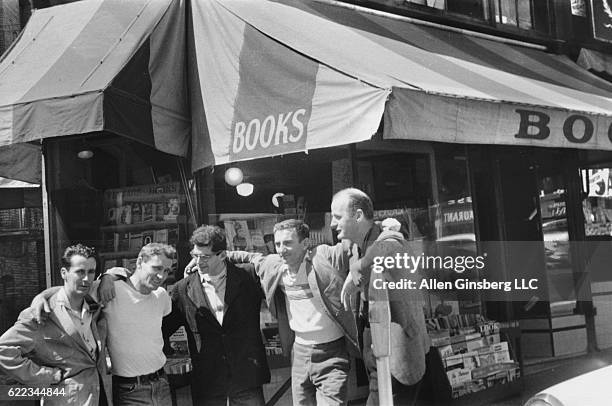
x,y
245,189
275,201
84,151
85,154
233,176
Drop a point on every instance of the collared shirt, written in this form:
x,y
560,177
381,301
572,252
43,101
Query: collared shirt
x,y
214,287
81,320
367,241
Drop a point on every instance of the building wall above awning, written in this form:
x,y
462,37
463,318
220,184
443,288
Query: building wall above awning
x,y
260,63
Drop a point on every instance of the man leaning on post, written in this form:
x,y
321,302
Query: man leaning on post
x,y
66,353
352,216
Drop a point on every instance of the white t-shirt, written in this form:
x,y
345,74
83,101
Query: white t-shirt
x,y
135,340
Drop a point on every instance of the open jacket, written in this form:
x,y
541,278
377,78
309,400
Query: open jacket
x,y
226,357
326,268
53,353
408,334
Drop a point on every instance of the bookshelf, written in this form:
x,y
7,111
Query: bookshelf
x,y
138,215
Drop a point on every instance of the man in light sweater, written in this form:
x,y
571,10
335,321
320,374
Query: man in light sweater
x,y
134,318
302,289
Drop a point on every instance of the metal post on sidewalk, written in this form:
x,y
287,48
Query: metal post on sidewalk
x,y
46,218
380,327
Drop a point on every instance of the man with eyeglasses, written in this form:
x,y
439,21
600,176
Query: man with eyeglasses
x,y
219,305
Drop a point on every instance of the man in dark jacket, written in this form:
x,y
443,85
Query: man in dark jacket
x,y
219,306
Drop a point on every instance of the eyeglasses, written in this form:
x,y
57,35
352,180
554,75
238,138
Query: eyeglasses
x,y
204,257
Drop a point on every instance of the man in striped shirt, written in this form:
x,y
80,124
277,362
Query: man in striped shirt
x,y
302,289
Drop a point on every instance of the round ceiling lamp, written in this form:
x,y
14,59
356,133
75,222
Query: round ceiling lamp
x,y
85,154
233,176
275,201
245,189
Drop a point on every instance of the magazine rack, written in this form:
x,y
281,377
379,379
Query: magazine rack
x,y
486,384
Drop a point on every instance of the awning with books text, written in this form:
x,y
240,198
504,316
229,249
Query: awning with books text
x,y
284,76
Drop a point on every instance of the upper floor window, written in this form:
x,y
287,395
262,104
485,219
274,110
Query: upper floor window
x,y
523,14
516,13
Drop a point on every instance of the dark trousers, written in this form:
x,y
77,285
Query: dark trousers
x,y
245,397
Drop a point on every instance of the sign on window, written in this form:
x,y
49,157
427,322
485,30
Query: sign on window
x,y
601,13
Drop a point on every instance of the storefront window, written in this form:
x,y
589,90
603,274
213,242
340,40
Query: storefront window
x,y
557,253
426,189
119,197
523,14
597,205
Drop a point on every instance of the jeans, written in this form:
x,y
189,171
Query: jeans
x,y
246,397
151,393
319,374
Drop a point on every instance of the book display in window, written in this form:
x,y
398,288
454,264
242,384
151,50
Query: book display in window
x,y
136,216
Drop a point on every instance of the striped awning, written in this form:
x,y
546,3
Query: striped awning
x,y
15,184
287,76
92,66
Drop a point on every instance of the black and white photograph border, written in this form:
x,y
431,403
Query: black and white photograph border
x,y
203,201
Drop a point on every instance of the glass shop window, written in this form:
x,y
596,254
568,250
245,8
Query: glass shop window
x,y
514,13
521,14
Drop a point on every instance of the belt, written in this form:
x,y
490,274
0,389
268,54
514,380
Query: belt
x,y
323,345
142,379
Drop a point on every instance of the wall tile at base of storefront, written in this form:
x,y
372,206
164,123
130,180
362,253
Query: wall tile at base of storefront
x,y
602,301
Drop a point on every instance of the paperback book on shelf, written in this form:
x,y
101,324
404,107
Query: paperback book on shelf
x,y
148,237
122,241
126,214
136,213
172,209
148,212
161,236
135,241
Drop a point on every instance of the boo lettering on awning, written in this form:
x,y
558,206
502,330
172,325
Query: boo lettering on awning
x,y
536,125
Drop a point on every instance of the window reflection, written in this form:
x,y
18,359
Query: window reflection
x,y
558,264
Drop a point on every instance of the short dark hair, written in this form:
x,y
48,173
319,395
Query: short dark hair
x,y
209,236
357,199
156,248
301,228
78,249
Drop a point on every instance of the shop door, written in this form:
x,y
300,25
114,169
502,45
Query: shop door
x,y
521,228
553,186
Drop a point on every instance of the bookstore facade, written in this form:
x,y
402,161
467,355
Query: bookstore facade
x,y
459,159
